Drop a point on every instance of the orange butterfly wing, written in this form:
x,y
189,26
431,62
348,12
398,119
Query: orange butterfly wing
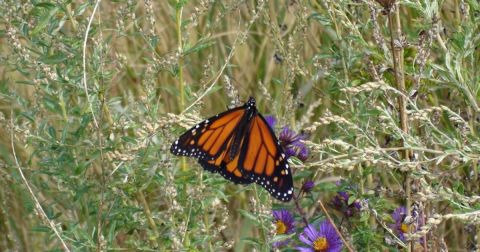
x,y
208,139
227,167
239,145
212,142
263,160
226,164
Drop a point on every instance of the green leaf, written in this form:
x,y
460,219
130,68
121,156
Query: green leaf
x,y
282,237
52,132
364,216
251,241
111,231
46,5
249,215
29,115
180,4
51,104
44,21
351,199
198,47
41,229
53,59
321,19
81,8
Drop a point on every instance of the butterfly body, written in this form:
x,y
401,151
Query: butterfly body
x,y
241,146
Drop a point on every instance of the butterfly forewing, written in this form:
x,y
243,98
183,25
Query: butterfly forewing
x,y
263,160
207,140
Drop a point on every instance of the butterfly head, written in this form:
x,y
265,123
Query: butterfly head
x,y
250,103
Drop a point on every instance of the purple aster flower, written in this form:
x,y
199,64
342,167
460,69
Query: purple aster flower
x,y
291,142
303,153
285,223
340,199
308,186
290,137
357,204
340,202
325,239
400,228
405,225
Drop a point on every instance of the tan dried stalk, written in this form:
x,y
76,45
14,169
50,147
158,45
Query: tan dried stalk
x,y
38,208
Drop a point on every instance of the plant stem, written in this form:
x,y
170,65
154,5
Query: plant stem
x,y
478,236
178,19
397,54
150,220
334,226
71,18
296,199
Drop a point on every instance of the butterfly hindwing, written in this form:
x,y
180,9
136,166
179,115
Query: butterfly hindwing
x,y
236,176
226,164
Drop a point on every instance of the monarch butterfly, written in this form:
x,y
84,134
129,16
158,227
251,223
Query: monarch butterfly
x,y
240,145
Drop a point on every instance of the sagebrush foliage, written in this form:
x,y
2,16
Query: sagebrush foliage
x,y
93,93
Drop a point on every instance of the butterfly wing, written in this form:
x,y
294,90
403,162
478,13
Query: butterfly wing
x,y
263,161
209,139
215,142
226,163
239,145
226,167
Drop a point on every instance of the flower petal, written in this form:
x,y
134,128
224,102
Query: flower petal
x,y
328,231
302,237
302,249
311,233
286,218
399,214
271,121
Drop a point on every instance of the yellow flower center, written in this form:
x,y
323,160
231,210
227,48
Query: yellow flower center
x,y
320,244
404,228
281,227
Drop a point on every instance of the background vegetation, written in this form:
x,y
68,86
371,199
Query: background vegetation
x,y
92,94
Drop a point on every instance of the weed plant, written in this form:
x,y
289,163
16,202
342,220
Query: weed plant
x,y
385,94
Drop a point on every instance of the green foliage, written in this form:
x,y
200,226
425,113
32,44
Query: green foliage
x,y
84,148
